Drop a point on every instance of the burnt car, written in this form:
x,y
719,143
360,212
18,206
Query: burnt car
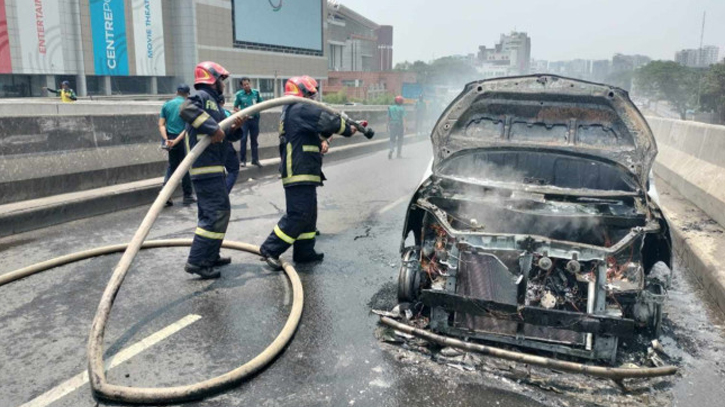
x,y
537,224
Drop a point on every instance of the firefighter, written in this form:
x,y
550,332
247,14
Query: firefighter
x,y
202,114
303,131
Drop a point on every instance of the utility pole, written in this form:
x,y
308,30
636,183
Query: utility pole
x,y
701,60
702,33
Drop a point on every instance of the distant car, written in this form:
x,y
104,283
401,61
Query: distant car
x,y
534,225
352,104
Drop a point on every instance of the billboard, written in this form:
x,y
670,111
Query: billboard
x,y
283,23
41,46
148,37
108,26
5,63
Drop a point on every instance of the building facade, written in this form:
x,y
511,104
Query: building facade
x,y
367,85
355,43
510,56
384,55
698,58
105,47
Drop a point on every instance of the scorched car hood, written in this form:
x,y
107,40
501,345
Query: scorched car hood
x,y
549,113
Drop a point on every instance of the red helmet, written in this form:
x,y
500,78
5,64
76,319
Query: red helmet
x,y
208,72
301,86
398,100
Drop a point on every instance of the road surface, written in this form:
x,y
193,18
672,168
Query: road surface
x,y
200,329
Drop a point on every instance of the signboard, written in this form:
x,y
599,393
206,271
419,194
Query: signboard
x,y
108,26
5,63
41,46
148,37
289,24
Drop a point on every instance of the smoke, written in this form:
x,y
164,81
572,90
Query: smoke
x,y
495,210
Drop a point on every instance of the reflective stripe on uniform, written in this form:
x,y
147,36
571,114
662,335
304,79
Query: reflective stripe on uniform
x,y
209,235
289,159
200,120
310,148
342,126
186,142
301,178
307,236
280,234
207,170
290,178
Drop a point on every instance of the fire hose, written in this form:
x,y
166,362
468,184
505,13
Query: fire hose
x,y
96,371
614,373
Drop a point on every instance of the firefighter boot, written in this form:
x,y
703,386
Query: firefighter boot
x,y
310,257
221,261
204,272
272,261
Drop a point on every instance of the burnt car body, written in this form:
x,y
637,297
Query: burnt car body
x,y
536,224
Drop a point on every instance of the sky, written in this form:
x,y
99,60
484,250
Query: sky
x,y
559,29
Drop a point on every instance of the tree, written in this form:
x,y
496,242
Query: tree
x,y
671,82
338,98
620,79
452,71
713,91
442,71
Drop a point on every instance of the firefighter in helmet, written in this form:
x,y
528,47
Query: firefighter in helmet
x,y
202,114
303,133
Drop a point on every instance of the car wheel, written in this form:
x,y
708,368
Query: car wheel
x,y
648,308
409,276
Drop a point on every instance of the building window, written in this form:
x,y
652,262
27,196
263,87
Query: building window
x,y
266,88
12,86
352,83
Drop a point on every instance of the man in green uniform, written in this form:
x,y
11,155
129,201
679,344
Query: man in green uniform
x,y
396,126
243,99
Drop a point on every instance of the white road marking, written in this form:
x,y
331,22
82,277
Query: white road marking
x,y
81,379
393,204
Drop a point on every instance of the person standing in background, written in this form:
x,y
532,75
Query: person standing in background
x,y
171,128
66,94
243,99
396,126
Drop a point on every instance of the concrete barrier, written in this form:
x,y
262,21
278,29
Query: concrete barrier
x,y
64,148
692,160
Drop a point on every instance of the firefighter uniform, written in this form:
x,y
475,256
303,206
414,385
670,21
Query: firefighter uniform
x,y
231,163
202,113
301,128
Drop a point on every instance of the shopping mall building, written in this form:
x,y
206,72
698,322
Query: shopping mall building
x,y
105,47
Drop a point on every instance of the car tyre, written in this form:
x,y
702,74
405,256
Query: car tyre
x,y
409,276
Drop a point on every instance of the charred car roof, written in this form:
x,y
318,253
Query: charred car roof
x,y
547,113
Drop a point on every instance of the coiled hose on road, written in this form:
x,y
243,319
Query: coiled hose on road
x,y
96,371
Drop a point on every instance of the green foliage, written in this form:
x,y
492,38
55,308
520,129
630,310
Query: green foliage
x,y
339,98
713,91
669,81
382,99
442,71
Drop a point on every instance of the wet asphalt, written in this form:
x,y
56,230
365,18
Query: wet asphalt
x,y
334,358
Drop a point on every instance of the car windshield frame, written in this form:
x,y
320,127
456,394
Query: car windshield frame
x,y
626,177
